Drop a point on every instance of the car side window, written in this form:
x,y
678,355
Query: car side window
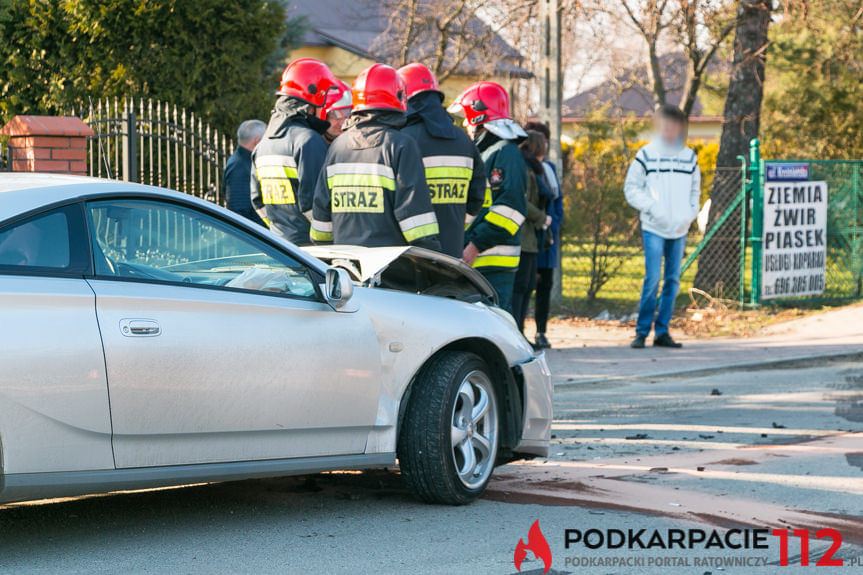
x,y
164,242
41,244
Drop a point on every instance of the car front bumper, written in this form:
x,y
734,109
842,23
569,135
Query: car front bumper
x,y
536,429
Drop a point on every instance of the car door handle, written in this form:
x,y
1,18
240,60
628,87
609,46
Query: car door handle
x,y
140,327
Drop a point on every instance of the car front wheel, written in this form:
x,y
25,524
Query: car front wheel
x,y
449,438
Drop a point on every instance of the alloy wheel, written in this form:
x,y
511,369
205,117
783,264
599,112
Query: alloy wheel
x,y
474,429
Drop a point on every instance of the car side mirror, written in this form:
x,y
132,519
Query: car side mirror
x,y
339,287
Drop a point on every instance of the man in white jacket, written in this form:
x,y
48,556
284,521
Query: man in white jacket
x,y
664,185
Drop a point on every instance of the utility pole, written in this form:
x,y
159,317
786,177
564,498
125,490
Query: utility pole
x,y
551,98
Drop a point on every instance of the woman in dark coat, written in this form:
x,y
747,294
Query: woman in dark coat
x,y
547,260
537,198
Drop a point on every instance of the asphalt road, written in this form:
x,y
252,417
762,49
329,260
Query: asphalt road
x,y
777,447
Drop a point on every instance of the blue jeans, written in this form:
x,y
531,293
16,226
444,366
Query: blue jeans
x,y
655,249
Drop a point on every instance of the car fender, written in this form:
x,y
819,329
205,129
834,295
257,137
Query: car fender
x,y
413,328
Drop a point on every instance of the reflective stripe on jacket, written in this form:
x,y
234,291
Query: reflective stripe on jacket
x,y
285,168
454,169
372,190
498,257
496,229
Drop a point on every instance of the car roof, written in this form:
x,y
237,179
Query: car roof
x,y
21,192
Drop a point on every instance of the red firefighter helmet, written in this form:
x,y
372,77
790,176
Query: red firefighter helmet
x,y
309,80
339,98
417,79
378,87
482,102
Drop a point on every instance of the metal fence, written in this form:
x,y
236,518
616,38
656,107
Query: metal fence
x,y
604,271
603,265
715,266
844,262
152,142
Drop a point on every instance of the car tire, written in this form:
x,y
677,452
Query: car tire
x,y
449,437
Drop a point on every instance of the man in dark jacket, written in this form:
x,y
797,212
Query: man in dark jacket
x,y
238,170
494,238
372,191
454,169
287,162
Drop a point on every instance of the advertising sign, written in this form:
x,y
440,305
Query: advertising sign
x,y
794,253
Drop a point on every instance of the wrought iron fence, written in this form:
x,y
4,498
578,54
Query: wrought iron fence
x,y
132,232
153,142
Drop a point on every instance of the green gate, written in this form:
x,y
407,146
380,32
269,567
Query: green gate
x,y
843,266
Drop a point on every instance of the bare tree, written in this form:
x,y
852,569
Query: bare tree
x,y
650,20
450,36
697,28
694,17
408,32
525,32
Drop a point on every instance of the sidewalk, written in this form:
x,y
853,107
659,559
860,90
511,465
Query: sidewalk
x,y
591,354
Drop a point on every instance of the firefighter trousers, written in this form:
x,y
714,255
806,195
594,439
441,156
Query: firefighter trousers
x,y
502,281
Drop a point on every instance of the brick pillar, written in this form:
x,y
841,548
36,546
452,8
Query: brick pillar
x,y
56,144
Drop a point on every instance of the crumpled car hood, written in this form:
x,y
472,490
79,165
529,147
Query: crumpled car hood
x,y
410,269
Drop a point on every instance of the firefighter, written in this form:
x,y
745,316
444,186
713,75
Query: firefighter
x,y
493,239
453,167
336,110
287,161
372,191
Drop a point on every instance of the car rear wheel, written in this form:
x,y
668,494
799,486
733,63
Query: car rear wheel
x,y
449,438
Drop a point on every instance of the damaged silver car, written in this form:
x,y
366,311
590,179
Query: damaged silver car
x,y
151,338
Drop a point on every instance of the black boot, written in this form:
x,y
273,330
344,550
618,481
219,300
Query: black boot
x,y
665,340
638,342
541,342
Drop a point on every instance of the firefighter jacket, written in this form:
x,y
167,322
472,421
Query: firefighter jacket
x,y
285,168
496,230
372,191
454,170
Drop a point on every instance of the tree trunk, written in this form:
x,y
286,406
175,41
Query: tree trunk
x,y
719,262
654,74
690,89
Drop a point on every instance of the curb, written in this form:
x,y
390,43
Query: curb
x,y
702,371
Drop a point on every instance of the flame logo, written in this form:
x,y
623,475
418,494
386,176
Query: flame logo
x,y
535,542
